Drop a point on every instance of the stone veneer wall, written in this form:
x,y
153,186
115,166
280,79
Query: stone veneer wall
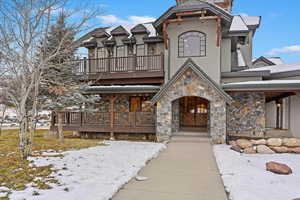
x,y
175,116
190,84
246,115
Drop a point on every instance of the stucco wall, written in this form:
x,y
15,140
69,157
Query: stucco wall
x,y
210,63
226,55
271,115
295,116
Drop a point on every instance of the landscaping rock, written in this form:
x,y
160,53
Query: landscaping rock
x,y
237,149
280,149
243,143
278,168
232,143
274,142
295,150
263,149
291,142
141,178
259,142
250,150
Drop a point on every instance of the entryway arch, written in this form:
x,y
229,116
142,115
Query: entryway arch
x,y
190,114
190,81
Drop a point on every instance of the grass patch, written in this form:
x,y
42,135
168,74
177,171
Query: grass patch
x,y
16,173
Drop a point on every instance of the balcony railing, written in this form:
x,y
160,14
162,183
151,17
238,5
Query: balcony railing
x,y
116,65
123,122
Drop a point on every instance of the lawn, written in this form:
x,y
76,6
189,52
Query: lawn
x,y
16,174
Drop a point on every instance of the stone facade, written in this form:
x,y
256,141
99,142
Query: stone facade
x,y
246,115
190,84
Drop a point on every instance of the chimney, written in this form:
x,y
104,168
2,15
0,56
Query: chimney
x,y
180,1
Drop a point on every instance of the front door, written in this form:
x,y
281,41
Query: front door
x,y
193,112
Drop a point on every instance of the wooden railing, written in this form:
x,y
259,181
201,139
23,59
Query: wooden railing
x,y
148,63
101,121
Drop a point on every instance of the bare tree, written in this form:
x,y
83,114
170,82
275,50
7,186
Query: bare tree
x,y
24,28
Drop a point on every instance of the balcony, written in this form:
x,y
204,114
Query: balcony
x,y
123,70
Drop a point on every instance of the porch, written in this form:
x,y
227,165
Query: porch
x,y
105,122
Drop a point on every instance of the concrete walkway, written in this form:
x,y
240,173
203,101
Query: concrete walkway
x,y
185,171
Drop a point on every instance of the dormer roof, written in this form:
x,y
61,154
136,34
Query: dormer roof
x,y
120,30
139,29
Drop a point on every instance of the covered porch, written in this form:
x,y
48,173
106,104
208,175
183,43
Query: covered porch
x,y
121,110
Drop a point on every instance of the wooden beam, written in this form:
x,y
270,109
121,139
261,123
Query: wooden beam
x,y
219,27
279,97
165,35
112,117
208,17
191,13
177,20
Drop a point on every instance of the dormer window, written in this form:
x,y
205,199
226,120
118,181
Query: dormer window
x,y
192,44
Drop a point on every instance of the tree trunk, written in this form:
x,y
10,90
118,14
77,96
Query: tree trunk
x,y
25,142
2,118
60,127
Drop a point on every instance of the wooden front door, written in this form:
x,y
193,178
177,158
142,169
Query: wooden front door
x,y
193,112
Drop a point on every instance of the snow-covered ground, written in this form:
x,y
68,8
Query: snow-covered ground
x,y
245,176
95,173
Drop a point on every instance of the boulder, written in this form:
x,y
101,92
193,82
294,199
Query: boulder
x,y
237,149
295,150
250,150
232,143
259,142
278,168
280,149
243,143
263,149
291,142
274,142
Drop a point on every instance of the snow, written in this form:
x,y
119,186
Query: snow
x,y
268,82
241,61
285,67
251,20
95,173
238,24
245,176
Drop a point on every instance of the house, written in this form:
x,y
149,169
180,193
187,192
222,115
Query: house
x,y
263,61
190,70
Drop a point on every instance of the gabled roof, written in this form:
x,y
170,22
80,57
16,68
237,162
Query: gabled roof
x,y
140,28
242,24
264,59
190,64
194,5
120,30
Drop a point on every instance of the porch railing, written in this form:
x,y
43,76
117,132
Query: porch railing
x,y
79,121
148,63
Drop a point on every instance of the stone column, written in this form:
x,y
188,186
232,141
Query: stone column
x,y
164,121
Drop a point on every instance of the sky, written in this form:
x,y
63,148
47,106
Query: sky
x,y
278,35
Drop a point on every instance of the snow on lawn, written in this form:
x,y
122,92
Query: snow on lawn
x,y
245,176
95,173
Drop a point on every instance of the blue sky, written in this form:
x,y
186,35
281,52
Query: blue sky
x,y
279,34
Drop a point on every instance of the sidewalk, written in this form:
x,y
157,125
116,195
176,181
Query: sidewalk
x,y
185,171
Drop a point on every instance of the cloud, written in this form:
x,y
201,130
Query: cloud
x,y
286,49
110,20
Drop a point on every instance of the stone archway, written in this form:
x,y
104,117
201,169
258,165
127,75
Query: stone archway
x,y
189,83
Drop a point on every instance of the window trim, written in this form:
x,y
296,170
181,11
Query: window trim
x,y
205,46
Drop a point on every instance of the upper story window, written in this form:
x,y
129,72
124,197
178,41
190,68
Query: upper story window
x,y
192,44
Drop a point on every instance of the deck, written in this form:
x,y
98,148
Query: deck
x,y
105,122
132,69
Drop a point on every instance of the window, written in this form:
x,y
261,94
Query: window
x,y
140,49
140,104
101,52
191,44
130,50
121,51
151,49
